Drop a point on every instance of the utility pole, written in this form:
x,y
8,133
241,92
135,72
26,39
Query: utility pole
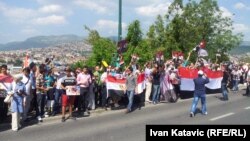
x,y
120,21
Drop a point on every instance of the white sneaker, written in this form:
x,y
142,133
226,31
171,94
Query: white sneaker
x,y
15,130
47,115
191,114
39,118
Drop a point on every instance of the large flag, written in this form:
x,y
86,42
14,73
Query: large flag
x,y
188,75
201,45
116,85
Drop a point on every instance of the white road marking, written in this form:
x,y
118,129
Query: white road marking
x,y
222,116
247,108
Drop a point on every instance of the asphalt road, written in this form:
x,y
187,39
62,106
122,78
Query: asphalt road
x,y
116,125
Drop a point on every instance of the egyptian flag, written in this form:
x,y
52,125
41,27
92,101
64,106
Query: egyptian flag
x,y
188,75
202,44
177,54
5,83
141,83
200,49
116,84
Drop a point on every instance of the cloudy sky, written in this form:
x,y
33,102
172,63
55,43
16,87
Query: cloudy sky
x,y
21,19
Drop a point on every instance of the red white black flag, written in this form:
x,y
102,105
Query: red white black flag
x,y
202,44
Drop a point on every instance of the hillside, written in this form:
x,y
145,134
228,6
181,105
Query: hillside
x,y
40,42
242,49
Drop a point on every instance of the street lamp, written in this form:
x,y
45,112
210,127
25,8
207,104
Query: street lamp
x,y
120,21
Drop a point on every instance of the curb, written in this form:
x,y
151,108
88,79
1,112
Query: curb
x,y
93,113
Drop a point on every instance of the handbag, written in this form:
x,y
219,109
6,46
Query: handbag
x,y
8,98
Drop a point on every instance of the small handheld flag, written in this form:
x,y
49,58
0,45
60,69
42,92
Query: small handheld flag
x,y
202,44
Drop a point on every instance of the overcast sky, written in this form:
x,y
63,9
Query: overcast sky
x,y
21,19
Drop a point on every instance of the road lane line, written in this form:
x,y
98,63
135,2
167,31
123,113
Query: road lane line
x,y
222,116
247,108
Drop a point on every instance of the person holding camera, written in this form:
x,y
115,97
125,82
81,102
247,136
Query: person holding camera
x,y
199,93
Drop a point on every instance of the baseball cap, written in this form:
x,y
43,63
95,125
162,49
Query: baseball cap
x,y
200,72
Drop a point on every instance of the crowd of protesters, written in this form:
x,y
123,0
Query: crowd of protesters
x,y
42,90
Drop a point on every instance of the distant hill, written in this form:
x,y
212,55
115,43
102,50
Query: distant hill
x,y
40,42
113,38
242,49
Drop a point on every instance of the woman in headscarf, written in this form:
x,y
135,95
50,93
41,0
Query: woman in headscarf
x,y
166,86
19,91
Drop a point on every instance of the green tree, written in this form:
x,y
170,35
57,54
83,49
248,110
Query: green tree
x,y
156,36
160,32
93,35
188,25
151,37
144,51
102,50
78,64
134,37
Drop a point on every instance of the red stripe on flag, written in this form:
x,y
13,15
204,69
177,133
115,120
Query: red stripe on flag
x,y
115,80
188,73
140,78
212,74
6,79
193,73
203,44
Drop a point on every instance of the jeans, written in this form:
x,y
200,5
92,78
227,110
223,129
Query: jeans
x,y
104,97
235,85
40,104
130,95
58,94
156,93
91,103
203,103
82,101
33,105
224,91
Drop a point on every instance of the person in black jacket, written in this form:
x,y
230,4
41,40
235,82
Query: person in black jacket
x,y
199,93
